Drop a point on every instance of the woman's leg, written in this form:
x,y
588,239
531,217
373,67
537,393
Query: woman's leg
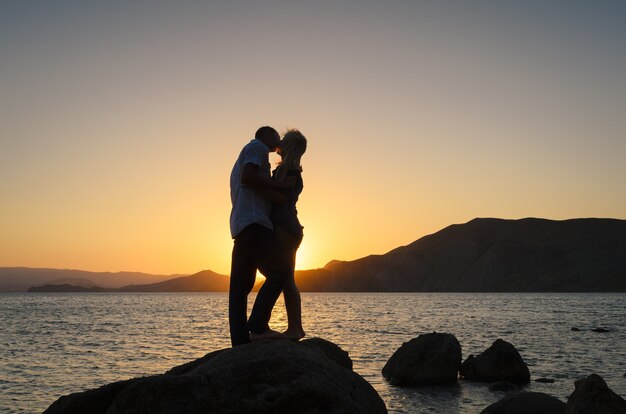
x,y
293,303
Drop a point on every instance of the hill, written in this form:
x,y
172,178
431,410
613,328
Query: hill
x,y
483,255
19,279
204,281
491,255
68,288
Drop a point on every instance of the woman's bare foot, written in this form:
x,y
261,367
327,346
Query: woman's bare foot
x,y
294,334
269,334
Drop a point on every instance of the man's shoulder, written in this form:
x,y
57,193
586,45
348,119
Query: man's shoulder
x,y
255,152
256,145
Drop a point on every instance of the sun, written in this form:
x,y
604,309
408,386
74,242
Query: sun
x,y
304,261
303,257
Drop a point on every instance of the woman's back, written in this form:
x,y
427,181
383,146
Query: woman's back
x,y
285,215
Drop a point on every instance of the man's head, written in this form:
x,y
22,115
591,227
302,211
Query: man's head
x,y
268,136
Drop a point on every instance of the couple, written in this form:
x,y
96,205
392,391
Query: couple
x,y
266,232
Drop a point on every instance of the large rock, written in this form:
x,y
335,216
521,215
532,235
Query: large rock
x,y
500,362
429,359
527,403
593,396
280,376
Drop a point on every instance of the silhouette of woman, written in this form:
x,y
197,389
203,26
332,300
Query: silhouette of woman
x,y
286,224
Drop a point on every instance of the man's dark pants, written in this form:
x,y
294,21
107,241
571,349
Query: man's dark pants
x,y
256,247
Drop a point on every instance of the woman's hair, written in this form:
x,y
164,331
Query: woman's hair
x,y
292,147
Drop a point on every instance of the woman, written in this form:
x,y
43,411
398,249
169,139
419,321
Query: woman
x,y
287,226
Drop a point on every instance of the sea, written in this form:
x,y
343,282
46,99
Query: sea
x,y
52,344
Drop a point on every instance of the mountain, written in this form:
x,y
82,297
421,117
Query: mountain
x,y
482,255
19,279
204,281
491,255
82,282
68,288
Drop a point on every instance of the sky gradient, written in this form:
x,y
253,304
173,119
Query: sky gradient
x,y
120,122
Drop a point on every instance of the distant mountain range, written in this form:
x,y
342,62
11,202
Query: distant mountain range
x,y
19,279
483,255
204,281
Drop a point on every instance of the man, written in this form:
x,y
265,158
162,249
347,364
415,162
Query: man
x,y
255,246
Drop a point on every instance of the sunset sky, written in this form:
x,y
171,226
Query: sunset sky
x,y
120,121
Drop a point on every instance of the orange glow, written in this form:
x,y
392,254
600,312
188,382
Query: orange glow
x,y
119,135
304,259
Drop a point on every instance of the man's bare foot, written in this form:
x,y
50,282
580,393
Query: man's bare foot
x,y
294,334
269,334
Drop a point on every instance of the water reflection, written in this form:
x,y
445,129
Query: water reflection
x,y
53,344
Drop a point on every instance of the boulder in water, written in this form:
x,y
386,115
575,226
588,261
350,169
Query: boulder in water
x,y
429,359
592,395
527,403
500,362
274,376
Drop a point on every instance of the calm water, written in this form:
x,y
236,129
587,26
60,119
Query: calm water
x,y
54,344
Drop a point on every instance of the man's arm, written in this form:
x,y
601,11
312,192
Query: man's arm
x,y
251,178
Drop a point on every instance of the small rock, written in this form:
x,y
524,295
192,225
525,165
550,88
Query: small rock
x,y
592,395
601,330
545,380
429,359
500,362
575,329
525,403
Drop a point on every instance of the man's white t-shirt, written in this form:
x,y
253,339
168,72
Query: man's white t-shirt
x,y
248,206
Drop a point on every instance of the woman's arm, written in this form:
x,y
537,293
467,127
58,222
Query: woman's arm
x,y
274,196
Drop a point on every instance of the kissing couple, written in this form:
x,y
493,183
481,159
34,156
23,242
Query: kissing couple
x,y
267,233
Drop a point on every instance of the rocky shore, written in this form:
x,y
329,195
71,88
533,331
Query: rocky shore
x,y
435,358
591,396
316,376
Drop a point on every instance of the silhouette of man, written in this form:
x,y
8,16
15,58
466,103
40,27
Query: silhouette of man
x,y
255,244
